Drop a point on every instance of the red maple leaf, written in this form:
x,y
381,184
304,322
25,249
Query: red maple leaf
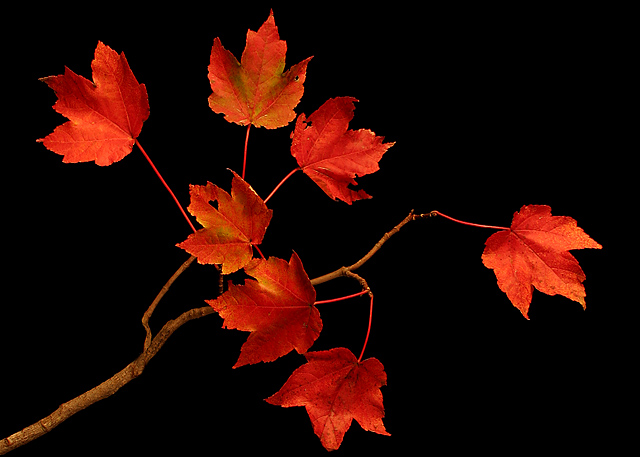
x,y
232,229
335,389
277,308
105,116
255,90
333,156
534,253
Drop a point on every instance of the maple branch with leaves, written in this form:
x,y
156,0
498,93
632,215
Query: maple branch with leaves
x,y
276,302
153,344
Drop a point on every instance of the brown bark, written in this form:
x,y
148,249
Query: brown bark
x,y
104,390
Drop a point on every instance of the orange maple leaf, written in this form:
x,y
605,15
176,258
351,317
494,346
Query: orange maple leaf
x,y
534,253
105,116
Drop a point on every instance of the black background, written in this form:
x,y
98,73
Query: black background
x,y
490,109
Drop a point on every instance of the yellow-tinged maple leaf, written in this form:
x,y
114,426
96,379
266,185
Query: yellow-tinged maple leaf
x,y
229,231
256,90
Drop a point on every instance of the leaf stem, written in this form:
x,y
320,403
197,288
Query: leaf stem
x,y
259,251
362,292
281,182
368,329
165,185
246,143
331,300
469,223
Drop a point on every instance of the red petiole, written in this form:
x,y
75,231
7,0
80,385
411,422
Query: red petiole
x,y
366,339
469,223
165,185
320,302
246,143
281,183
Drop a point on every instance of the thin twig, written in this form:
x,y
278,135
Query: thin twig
x,y
152,307
344,271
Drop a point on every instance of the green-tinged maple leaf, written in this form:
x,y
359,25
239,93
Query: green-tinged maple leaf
x,y
256,90
231,230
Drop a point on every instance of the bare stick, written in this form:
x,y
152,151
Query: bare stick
x,y
344,271
104,390
113,384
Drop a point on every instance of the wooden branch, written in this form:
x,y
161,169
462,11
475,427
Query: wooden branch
x,y
343,271
104,390
124,376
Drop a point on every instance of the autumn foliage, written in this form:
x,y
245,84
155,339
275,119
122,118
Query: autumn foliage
x,y
332,155
276,304
534,253
105,116
256,90
229,231
336,388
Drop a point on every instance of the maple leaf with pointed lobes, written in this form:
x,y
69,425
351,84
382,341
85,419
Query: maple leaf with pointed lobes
x,y
230,231
277,308
333,156
105,116
534,253
255,90
335,389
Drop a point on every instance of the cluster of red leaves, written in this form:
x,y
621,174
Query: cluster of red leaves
x,y
277,306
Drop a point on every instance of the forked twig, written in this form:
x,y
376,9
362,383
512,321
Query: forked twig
x,y
152,307
124,376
